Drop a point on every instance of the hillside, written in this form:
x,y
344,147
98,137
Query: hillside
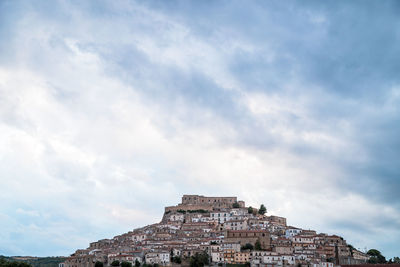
x,y
36,261
219,230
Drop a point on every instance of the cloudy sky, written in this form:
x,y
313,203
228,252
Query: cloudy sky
x,y
111,110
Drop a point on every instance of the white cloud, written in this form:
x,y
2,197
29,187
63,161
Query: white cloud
x,y
33,213
86,148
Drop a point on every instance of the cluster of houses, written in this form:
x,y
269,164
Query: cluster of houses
x,y
226,231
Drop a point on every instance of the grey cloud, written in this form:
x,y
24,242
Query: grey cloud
x,y
336,61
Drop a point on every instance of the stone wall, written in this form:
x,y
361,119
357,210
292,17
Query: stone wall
x,y
249,236
188,207
217,202
277,219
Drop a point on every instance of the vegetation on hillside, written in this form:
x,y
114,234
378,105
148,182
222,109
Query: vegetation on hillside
x,y
199,260
192,211
376,257
4,262
31,261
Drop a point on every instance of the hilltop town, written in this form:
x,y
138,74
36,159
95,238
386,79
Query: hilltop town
x,y
223,230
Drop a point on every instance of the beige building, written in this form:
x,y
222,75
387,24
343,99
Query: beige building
x,y
229,256
358,255
242,257
283,249
235,225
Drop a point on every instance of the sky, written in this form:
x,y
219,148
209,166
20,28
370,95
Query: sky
x,y
112,110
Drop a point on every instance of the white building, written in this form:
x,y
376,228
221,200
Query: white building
x,y
220,216
159,257
216,256
323,264
303,239
292,231
239,212
235,246
270,258
290,259
176,217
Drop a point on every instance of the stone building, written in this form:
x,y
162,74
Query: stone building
x,y
197,202
217,202
249,237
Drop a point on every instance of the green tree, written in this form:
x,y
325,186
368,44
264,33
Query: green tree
x,y
262,209
396,260
250,210
257,245
375,256
199,260
247,246
126,264
236,205
98,264
115,263
177,259
137,263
